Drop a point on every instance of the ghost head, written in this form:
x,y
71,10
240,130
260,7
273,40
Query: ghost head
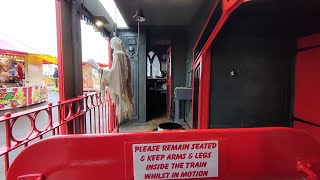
x,y
116,44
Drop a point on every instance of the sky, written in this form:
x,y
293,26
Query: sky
x,y
33,24
94,46
30,22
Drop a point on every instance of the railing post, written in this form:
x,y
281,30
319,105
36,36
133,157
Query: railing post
x,y
50,117
106,115
8,141
99,115
81,118
61,115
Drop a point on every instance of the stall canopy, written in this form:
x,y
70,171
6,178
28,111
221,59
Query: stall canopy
x,y
46,59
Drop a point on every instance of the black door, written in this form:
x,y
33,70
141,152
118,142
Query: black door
x,y
196,85
130,44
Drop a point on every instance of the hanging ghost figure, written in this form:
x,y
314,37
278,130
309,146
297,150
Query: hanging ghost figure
x,y
118,80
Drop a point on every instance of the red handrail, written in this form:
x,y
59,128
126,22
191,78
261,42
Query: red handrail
x,y
216,154
87,114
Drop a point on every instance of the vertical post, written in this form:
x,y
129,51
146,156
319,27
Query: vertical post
x,y
8,142
69,51
204,112
60,48
61,117
76,58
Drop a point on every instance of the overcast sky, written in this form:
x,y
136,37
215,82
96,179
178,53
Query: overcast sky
x,y
33,23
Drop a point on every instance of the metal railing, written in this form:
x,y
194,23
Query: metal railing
x,y
87,114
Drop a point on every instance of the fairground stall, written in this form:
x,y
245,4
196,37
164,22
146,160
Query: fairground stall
x,y
91,80
21,80
49,66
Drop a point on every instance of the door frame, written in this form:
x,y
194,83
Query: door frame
x,y
204,61
169,81
204,58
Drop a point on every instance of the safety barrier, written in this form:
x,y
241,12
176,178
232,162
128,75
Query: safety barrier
x,y
87,114
217,154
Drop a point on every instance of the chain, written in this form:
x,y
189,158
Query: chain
x,y
138,43
115,19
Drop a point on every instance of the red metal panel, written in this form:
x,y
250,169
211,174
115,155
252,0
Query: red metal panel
x,y
307,86
33,115
309,41
310,129
204,99
256,154
169,82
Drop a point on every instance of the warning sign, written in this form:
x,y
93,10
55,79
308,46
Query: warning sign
x,y
176,160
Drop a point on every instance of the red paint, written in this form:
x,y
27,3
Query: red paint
x,y
270,157
88,123
306,168
310,129
204,99
204,89
12,52
307,86
60,50
169,82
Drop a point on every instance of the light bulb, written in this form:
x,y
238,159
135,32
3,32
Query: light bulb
x,y
99,23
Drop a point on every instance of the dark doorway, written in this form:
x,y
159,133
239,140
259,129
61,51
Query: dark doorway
x,y
196,97
156,57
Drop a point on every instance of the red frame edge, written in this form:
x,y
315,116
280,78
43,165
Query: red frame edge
x,y
205,59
